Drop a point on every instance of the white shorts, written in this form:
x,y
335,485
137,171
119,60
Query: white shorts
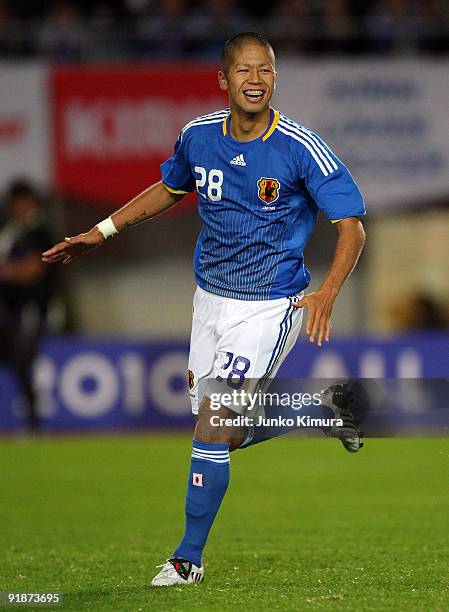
x,y
238,341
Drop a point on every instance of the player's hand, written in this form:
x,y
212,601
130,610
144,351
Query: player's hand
x,y
319,306
73,247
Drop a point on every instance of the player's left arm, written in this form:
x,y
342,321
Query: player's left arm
x,y
319,304
336,193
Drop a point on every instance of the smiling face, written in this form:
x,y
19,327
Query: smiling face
x,y
249,78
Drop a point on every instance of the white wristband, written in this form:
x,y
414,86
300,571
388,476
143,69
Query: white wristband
x,y
107,228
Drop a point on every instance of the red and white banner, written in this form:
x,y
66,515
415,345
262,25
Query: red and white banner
x,y
114,126
24,143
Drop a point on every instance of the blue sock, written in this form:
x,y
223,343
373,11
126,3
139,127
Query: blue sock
x,y
208,481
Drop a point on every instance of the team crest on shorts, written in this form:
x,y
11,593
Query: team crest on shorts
x,y
191,379
268,189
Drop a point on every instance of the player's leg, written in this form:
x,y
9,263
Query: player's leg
x,y
208,478
209,467
206,487
209,471
342,408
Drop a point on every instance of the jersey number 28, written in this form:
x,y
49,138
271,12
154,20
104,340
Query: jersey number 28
x,y
214,182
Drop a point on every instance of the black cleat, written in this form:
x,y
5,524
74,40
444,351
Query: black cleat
x,y
340,399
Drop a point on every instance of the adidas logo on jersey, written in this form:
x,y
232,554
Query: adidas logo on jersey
x,y
238,161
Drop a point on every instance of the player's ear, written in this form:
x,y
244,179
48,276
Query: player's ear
x,y
222,81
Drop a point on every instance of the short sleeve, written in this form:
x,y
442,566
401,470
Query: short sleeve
x,y
176,173
328,180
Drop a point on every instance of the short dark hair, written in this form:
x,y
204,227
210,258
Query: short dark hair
x,y
22,188
238,41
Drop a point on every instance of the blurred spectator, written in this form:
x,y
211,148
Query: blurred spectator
x,y
420,312
6,23
11,40
398,26
25,287
338,28
214,22
137,7
163,32
74,30
295,26
433,26
62,36
382,24
107,41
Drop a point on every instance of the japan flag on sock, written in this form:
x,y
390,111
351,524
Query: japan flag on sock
x,y
197,479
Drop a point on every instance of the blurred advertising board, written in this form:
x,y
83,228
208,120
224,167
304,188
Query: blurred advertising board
x,y
387,120
95,385
113,126
24,125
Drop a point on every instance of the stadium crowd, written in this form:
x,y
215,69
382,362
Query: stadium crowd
x,y
65,30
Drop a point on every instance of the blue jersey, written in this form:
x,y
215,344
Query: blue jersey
x,y
258,202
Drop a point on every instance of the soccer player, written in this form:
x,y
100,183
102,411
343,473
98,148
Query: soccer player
x,y
261,179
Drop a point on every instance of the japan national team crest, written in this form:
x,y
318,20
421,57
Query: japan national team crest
x,y
268,189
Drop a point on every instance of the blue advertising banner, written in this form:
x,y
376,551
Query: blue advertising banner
x,y
92,384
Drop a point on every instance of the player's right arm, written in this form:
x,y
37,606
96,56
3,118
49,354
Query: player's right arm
x,y
146,205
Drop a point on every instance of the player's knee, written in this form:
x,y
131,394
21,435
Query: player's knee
x,y
213,426
207,431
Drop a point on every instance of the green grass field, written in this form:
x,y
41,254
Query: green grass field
x,y
304,525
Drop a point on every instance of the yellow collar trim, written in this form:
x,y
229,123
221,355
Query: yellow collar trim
x,y
271,129
272,126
